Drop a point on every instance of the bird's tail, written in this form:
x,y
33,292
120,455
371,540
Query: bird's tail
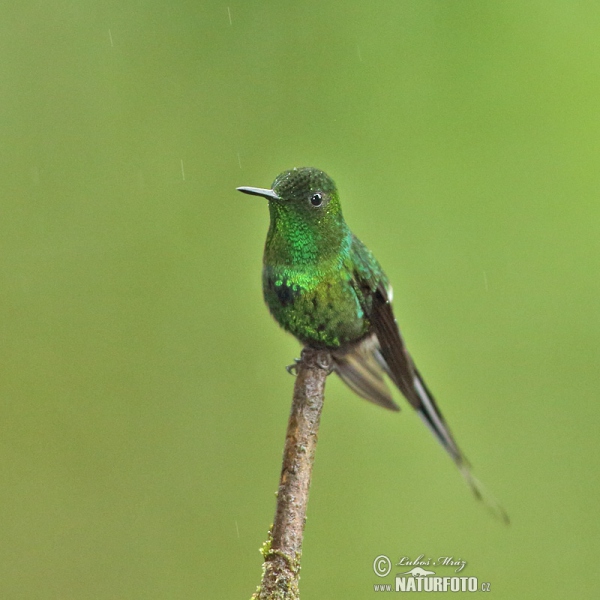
x,y
432,417
360,370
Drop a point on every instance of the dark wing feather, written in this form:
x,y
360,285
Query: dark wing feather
x,y
404,374
384,350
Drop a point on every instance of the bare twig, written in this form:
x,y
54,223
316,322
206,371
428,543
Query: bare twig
x,y
283,549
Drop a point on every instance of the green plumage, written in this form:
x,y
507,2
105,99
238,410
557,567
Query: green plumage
x,y
312,265
326,288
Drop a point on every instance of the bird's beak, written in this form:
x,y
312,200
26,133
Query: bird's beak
x,y
270,194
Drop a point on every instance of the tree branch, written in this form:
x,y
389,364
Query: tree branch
x,y
283,549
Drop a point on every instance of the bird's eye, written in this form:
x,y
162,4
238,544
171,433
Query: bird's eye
x,y
316,199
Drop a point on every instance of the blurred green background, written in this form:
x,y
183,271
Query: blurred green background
x,y
143,396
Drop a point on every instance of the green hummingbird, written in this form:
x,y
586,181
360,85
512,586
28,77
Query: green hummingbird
x,y
324,286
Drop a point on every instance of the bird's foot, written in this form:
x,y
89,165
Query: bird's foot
x,y
319,358
293,368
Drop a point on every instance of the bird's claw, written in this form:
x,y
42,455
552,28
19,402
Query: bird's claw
x,y
293,368
322,360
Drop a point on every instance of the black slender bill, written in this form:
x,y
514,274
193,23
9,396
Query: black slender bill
x,y
270,194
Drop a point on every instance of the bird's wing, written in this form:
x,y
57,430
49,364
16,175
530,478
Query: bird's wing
x,y
388,351
360,366
405,375
374,295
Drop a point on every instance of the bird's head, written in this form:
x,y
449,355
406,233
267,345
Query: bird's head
x,y
305,192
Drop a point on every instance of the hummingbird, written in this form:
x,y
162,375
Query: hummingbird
x,y
325,287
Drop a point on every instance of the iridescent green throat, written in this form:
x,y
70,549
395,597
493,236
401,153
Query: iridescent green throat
x,y
297,240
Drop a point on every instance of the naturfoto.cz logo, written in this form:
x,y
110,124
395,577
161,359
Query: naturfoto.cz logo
x,y
419,579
